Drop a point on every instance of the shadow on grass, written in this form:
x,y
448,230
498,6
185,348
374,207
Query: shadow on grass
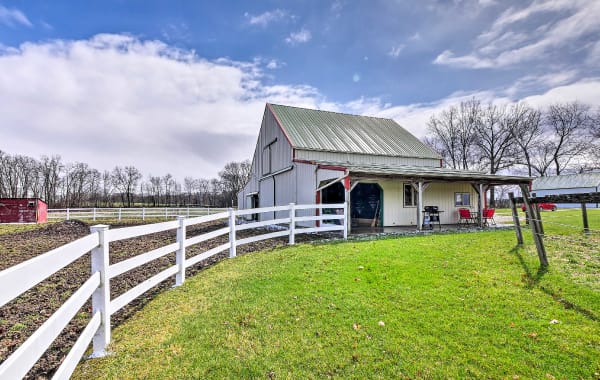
x,y
532,281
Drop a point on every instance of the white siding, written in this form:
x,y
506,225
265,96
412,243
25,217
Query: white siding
x,y
437,194
280,155
365,158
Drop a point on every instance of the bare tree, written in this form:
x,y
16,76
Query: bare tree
x,y
454,134
233,177
126,180
567,125
494,141
525,125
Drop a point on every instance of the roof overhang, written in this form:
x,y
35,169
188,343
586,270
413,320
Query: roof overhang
x,y
426,174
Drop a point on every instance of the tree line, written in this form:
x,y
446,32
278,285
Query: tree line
x,y
77,184
559,139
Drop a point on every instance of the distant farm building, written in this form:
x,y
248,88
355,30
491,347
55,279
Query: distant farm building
x,y
567,184
386,176
23,210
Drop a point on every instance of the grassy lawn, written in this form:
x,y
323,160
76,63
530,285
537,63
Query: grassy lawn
x,y
440,306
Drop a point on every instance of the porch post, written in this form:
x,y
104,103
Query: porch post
x,y
481,200
348,219
420,207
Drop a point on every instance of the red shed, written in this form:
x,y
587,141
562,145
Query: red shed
x,y
23,210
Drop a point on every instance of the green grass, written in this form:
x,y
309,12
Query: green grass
x,y
451,306
9,228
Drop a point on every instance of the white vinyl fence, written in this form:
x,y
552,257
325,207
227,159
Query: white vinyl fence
x,y
17,279
119,213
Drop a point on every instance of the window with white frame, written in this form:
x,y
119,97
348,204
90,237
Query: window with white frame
x,y
462,199
411,196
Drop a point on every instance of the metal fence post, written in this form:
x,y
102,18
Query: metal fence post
x,y
232,250
101,296
180,254
292,223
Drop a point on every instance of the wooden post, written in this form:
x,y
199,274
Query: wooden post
x,y
101,296
535,223
180,254
119,213
515,215
586,226
420,207
232,248
94,215
143,213
292,223
68,216
480,205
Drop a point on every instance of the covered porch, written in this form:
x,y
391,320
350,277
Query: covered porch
x,y
404,197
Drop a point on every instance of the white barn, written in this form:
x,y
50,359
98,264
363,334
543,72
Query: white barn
x,y
567,184
381,170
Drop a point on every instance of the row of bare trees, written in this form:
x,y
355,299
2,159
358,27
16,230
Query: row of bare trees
x,y
562,138
78,185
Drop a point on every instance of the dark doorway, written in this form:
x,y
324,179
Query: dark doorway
x,y
366,205
254,204
333,194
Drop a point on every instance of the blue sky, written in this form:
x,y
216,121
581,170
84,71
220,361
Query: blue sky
x,y
180,86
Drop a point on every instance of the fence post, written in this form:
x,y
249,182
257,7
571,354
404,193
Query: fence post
x,y
515,216
119,213
188,211
101,296
345,221
166,213
94,214
143,213
232,250
536,229
292,223
586,225
68,216
180,254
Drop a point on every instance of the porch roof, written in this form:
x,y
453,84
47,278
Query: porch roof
x,y
420,173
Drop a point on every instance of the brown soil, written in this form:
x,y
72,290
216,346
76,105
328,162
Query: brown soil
x,y
22,316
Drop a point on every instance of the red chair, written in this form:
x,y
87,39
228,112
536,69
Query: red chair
x,y
465,217
488,215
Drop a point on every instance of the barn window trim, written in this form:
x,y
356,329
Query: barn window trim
x,y
462,199
267,157
413,199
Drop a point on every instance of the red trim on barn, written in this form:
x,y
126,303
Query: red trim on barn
x,y
330,167
318,201
304,161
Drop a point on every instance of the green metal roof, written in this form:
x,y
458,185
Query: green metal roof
x,y
570,181
427,173
337,132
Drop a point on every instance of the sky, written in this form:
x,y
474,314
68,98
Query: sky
x,y
180,87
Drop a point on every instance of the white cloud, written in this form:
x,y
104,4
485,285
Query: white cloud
x,y
532,33
266,18
396,50
117,100
302,36
13,16
275,64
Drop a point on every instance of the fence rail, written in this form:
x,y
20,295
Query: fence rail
x,y
131,213
18,279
